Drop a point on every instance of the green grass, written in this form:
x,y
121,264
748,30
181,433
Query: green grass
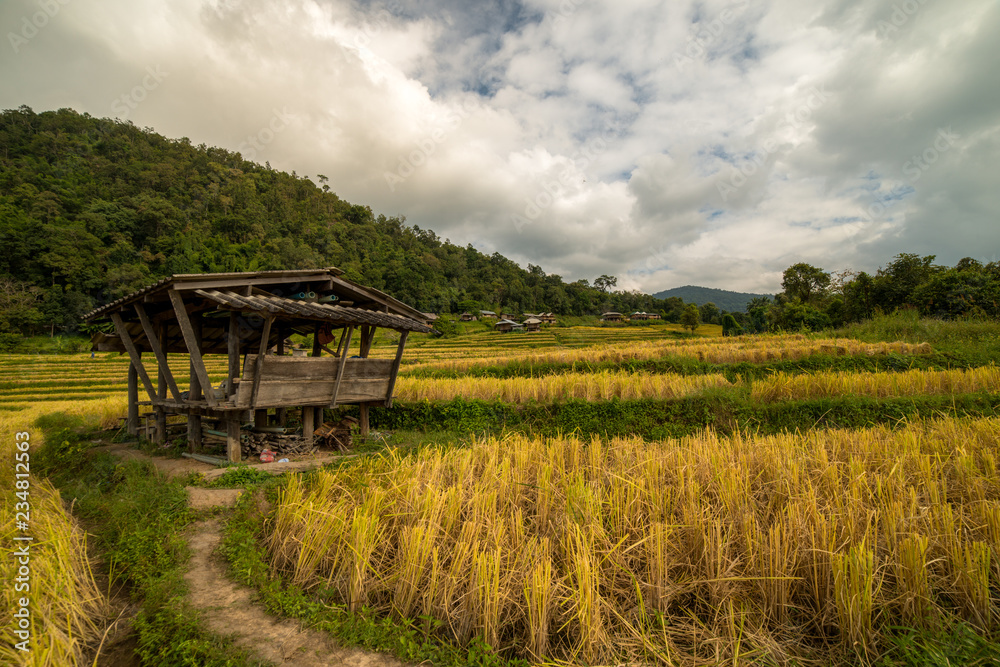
x,y
968,341
137,517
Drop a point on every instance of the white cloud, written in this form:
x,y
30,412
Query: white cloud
x,y
587,136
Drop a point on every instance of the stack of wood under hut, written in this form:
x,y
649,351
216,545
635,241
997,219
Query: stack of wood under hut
x,y
247,318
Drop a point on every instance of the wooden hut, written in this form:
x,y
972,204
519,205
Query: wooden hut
x,y
243,315
547,318
487,314
613,317
532,324
467,317
505,326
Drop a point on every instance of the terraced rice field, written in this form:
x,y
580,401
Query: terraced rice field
x,y
808,547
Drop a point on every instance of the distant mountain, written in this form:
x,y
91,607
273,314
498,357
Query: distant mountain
x,y
724,299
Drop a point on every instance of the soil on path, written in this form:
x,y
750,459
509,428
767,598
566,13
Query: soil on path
x,y
228,609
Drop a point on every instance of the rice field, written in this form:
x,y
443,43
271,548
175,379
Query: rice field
x,y
694,551
703,550
716,351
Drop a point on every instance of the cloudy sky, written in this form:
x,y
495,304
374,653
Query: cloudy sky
x,y
666,142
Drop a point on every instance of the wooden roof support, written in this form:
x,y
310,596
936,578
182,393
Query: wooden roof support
x,y
158,347
346,339
265,335
367,338
395,368
233,348
191,341
133,354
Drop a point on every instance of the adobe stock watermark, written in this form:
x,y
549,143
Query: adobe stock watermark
x,y
279,122
131,100
902,12
408,163
552,190
739,177
914,169
565,9
375,26
31,25
707,34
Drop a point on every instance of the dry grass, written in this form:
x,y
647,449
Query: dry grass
x,y
68,609
754,349
588,386
702,549
782,387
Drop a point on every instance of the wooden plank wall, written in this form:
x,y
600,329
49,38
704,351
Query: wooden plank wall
x,y
294,381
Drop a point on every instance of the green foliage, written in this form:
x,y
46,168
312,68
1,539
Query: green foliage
x,y
95,208
725,411
240,476
730,327
691,318
136,517
804,282
958,644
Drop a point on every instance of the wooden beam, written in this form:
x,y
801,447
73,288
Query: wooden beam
x,y
159,346
340,368
308,424
159,413
264,336
233,439
316,344
195,391
133,401
133,354
395,367
363,422
234,353
191,341
367,338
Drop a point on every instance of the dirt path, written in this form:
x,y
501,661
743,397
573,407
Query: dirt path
x,y
228,609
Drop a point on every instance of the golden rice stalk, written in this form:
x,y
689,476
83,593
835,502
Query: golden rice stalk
x,y
854,585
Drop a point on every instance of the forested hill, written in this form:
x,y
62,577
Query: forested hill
x,y
724,299
91,209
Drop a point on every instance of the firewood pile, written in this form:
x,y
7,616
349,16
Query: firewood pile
x,y
278,443
336,436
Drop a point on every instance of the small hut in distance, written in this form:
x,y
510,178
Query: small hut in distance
x,y
242,316
532,324
612,316
505,326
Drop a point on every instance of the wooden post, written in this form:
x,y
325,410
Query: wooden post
x,y
191,341
133,400
280,414
316,351
133,354
308,424
234,353
160,414
363,410
343,361
259,418
264,336
395,367
233,437
195,392
159,346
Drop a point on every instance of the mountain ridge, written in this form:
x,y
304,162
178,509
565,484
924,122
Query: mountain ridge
x,y
725,299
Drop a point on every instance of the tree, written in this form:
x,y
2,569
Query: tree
x,y
804,282
690,318
730,327
709,313
605,282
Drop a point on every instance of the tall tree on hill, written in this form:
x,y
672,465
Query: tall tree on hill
x,y
804,282
690,318
605,282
